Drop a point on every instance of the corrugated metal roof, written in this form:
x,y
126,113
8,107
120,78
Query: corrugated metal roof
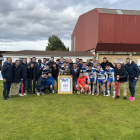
x,y
119,11
49,53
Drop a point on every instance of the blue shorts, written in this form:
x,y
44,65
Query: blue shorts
x,y
109,80
101,81
92,80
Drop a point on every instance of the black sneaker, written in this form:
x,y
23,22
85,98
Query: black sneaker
x,y
5,99
118,96
125,98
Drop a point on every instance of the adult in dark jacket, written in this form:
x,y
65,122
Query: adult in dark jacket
x,y
35,72
133,72
30,77
80,64
105,61
24,66
121,76
74,72
41,84
17,78
70,63
7,78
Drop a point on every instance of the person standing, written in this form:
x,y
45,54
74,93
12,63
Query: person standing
x,y
133,72
105,61
74,72
50,63
43,65
7,78
121,76
24,66
70,63
17,78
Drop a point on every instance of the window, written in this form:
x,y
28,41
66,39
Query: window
x,y
120,60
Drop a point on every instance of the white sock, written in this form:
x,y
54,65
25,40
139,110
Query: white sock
x,y
108,91
114,92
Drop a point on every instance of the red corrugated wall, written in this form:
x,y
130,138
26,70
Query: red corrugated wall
x,y
86,31
115,28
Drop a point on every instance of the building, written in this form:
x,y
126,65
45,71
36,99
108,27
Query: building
x,y
19,55
110,33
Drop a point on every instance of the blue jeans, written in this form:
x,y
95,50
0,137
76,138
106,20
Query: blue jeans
x,y
74,86
132,85
6,89
29,85
24,86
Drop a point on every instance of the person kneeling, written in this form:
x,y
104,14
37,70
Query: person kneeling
x,y
82,84
50,85
41,84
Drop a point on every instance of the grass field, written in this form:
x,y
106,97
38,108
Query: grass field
x,y
69,117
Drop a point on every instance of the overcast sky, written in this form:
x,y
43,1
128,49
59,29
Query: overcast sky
x,y
27,24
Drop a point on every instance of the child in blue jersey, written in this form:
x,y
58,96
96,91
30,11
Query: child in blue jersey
x,y
101,77
92,78
111,79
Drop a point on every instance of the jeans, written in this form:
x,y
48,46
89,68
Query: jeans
x,y
74,86
132,85
34,84
29,85
6,89
24,86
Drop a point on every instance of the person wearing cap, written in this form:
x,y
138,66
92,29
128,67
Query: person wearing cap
x,y
92,75
105,61
82,83
74,72
41,84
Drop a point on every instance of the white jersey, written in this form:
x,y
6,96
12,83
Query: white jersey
x,y
110,73
92,74
102,75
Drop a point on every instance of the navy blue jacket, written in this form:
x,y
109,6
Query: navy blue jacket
x,y
17,74
24,69
75,74
133,70
7,71
41,82
39,71
122,73
35,69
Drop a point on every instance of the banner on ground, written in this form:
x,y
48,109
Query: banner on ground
x,y
1,76
65,85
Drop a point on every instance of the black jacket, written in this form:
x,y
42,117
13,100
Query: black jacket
x,y
50,63
122,73
104,64
71,65
75,74
7,71
17,74
24,69
30,73
55,72
133,70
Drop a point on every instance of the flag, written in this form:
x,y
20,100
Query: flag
x,y
117,89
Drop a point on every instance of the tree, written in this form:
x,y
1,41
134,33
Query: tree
x,y
55,44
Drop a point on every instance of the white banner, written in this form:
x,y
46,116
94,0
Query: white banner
x,y
1,76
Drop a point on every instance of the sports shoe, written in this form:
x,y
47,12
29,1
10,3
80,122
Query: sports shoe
x,y
85,92
89,93
113,96
108,95
20,94
131,99
38,93
92,93
53,91
78,92
24,94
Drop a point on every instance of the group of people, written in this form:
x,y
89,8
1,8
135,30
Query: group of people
x,y
88,77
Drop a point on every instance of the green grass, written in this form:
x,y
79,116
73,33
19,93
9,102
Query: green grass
x,y
69,117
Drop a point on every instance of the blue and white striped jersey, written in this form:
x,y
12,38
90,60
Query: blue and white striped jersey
x,y
110,73
102,75
92,74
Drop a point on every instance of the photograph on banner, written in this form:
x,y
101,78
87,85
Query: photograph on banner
x,y
65,85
